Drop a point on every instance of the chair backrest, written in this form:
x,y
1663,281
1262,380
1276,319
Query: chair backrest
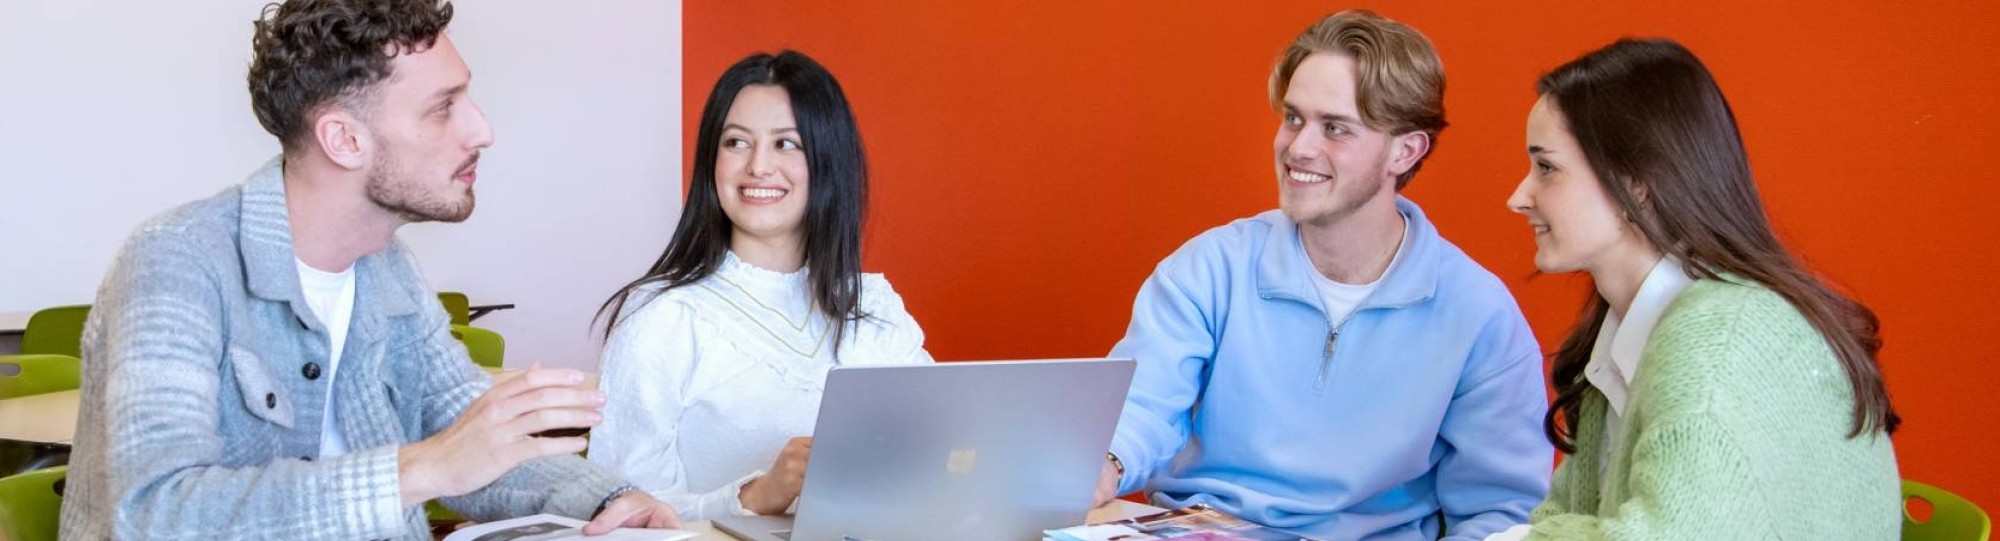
x,y
457,305
57,331
23,375
1953,518
486,347
31,504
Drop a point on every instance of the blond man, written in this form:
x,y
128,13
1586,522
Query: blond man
x,y
1334,367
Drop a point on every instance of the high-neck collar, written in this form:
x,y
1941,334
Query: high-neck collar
x,y
738,269
787,295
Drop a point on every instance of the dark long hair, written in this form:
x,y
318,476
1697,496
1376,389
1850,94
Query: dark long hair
x,y
1648,114
835,209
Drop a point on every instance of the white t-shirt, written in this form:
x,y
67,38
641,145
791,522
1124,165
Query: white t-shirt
x,y
1341,300
330,295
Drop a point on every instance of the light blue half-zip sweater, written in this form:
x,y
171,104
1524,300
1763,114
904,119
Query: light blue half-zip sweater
x,y
1428,397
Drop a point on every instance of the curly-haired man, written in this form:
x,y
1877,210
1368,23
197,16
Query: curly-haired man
x,y
268,363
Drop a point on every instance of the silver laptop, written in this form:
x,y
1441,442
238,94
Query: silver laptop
x,y
967,451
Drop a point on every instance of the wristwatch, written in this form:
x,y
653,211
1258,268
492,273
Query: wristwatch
x,y
1115,463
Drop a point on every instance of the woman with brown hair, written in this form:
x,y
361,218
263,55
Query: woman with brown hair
x,y
1714,388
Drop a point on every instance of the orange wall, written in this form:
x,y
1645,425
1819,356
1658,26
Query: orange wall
x,y
1033,161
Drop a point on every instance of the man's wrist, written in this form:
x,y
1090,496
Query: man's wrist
x,y
1116,464
615,494
411,480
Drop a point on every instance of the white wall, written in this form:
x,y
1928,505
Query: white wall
x,y
112,111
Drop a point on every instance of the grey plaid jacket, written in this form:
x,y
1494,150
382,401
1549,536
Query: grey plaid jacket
x,y
202,394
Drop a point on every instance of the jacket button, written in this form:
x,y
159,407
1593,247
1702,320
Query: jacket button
x,y
311,371
271,400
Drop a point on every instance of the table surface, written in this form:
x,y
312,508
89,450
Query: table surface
x,y
17,322
40,418
480,308
14,322
1115,510
51,417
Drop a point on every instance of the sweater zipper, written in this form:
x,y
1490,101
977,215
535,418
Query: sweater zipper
x,y
1326,353
1333,340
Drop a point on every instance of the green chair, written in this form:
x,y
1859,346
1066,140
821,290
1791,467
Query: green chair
x,y
443,521
31,504
458,306
23,375
486,347
1953,518
57,330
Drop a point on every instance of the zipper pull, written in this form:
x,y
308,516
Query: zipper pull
x,y
1326,358
1326,354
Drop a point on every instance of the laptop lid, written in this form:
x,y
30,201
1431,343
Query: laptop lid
x,y
971,451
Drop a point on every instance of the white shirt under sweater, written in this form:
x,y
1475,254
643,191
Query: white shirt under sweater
x,y
706,382
1614,357
330,296
1341,299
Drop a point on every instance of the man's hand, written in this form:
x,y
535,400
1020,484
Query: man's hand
x,y
635,509
1107,484
773,493
493,435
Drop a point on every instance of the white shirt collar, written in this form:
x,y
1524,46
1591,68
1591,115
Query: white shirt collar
x,y
1621,342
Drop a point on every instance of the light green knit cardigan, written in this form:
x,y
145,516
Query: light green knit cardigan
x,y
1735,428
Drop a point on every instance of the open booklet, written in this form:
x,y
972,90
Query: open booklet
x,y
1197,523
556,528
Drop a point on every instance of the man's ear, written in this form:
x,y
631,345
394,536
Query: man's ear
x,y
1406,150
340,135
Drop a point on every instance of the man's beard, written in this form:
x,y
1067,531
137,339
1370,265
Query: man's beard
x,y
393,189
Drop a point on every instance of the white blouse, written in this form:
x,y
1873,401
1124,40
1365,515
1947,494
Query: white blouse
x,y
706,382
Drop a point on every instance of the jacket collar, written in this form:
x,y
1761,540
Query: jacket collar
x,y
1282,268
270,264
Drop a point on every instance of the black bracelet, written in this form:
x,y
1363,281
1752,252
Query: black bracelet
x,y
622,490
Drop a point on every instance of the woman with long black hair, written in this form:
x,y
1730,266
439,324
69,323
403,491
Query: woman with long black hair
x,y
715,359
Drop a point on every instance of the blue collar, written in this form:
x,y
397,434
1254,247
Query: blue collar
x,y
270,265
1283,267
